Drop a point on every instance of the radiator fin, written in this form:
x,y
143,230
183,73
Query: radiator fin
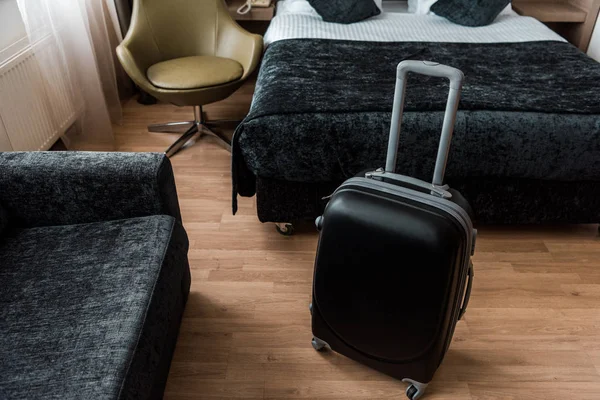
x,y
36,105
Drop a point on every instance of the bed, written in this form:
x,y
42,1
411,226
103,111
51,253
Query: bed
x,y
526,146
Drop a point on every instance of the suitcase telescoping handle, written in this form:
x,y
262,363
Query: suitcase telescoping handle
x,y
432,69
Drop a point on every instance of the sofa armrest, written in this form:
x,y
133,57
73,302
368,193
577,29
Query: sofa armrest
x,y
61,188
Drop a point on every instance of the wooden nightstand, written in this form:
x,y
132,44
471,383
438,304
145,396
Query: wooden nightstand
x,y
256,21
572,19
255,14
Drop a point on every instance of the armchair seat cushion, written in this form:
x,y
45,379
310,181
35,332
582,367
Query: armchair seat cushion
x,y
86,310
194,72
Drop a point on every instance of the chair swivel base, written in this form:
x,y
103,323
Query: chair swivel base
x,y
192,131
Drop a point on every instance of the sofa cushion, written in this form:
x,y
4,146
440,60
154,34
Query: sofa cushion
x,y
75,301
3,220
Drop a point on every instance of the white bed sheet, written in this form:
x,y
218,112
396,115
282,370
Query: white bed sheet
x,y
294,20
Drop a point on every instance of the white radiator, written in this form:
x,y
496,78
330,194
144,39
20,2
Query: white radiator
x,y
36,105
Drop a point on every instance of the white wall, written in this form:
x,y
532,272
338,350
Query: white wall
x,y
12,30
594,47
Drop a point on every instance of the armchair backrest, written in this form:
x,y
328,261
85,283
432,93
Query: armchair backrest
x,y
166,29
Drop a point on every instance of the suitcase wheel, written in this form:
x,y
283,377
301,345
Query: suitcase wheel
x,y
318,344
415,389
411,392
284,228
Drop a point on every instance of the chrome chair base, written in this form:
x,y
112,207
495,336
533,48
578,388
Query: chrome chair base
x,y
195,132
171,127
192,131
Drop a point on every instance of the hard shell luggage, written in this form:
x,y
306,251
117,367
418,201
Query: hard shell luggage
x,y
393,273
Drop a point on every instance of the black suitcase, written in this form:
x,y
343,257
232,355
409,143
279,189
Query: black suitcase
x,y
393,272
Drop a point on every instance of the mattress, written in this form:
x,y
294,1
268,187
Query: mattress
x,y
297,20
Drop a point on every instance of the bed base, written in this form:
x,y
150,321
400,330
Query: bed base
x,y
494,200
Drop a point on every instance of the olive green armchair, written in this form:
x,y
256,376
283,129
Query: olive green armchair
x,y
188,53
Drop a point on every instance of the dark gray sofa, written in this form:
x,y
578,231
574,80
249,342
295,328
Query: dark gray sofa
x,y
94,275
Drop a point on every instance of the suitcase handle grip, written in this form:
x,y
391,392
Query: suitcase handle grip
x,y
432,69
467,295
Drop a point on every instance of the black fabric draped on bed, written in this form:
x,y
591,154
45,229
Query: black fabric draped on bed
x,y
321,112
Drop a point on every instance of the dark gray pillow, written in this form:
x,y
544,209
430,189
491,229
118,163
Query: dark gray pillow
x,y
345,11
469,12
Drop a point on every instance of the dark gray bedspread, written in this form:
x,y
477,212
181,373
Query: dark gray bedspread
x,y
321,112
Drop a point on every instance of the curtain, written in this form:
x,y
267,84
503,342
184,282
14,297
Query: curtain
x,y
79,70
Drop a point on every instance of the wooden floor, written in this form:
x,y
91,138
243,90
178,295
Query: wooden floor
x,y
532,330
